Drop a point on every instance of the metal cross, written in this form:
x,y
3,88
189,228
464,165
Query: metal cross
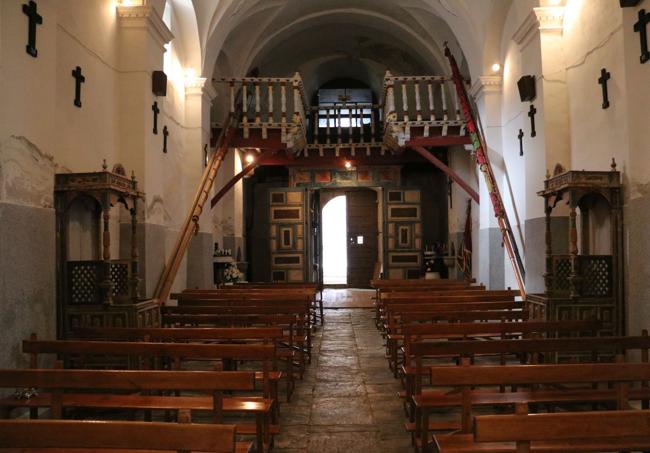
x,y
156,111
79,79
604,77
641,28
30,10
531,115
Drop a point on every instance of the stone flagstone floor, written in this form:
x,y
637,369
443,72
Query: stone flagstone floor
x,y
347,401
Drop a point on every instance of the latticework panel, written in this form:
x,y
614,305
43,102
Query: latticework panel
x,y
82,282
596,273
561,273
120,279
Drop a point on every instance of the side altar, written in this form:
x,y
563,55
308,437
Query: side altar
x,y
586,283
93,289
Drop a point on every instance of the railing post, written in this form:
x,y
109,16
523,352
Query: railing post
x,y
270,88
432,111
258,119
405,104
418,106
389,100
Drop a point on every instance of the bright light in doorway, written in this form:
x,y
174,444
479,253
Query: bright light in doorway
x,y
335,252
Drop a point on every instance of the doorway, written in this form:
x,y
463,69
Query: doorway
x,y
335,256
349,236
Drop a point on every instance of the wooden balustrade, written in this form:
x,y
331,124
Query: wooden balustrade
x,y
271,103
429,103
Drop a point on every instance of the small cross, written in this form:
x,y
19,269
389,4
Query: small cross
x,y
165,135
531,115
30,10
641,28
520,136
604,77
156,111
79,79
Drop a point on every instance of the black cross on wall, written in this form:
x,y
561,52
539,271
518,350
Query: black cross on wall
x,y
520,136
30,10
604,77
156,111
165,135
531,115
78,80
641,28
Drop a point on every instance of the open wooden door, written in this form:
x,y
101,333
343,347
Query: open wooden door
x,y
362,236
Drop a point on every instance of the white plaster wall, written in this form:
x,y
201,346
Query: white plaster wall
x,y
593,39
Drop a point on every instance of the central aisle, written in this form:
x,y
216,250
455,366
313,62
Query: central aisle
x,y
348,400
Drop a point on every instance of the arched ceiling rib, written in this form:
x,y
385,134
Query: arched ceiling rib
x,y
248,32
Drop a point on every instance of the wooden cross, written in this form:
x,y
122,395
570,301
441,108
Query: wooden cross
x,y
521,143
641,28
165,135
30,10
79,79
156,111
604,77
531,115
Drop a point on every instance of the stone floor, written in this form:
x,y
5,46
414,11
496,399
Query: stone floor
x,y
348,298
348,400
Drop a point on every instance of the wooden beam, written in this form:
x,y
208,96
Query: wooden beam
x,y
446,140
247,169
448,171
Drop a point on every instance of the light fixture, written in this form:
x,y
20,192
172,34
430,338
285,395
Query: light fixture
x,y
496,67
348,164
250,158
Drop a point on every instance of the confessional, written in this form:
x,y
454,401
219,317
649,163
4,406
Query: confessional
x,y
586,282
93,289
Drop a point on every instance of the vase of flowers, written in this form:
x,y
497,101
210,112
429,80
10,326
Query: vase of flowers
x,y
231,274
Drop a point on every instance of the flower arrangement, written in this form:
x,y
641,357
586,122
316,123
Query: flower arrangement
x,y
231,274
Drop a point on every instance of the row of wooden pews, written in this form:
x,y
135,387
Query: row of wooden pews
x,y
214,369
479,376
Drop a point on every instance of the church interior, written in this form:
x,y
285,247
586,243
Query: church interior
x,y
324,226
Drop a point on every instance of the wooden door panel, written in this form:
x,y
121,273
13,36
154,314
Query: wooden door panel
x,y
361,223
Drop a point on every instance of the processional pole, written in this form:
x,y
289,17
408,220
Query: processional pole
x,y
480,148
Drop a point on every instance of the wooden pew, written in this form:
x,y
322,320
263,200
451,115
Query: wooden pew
x,y
524,350
56,436
554,433
300,309
77,352
60,389
202,334
394,310
464,331
542,384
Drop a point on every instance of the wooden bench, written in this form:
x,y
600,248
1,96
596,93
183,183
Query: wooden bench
x,y
524,350
77,354
58,436
465,331
548,385
600,431
266,335
60,389
300,309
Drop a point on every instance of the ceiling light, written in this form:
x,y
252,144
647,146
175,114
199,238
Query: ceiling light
x,y
496,67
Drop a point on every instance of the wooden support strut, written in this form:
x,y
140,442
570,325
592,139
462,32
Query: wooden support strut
x,y
448,171
247,169
190,225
